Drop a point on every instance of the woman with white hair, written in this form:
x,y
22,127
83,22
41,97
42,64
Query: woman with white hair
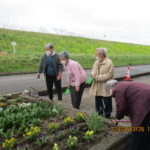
x,y
76,78
52,68
133,99
102,71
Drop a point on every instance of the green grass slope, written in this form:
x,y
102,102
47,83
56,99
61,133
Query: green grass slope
x,y
30,49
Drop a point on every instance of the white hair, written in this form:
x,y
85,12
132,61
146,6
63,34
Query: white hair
x,y
110,84
102,51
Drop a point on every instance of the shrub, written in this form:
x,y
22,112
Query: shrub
x,y
41,140
55,147
9,144
80,117
32,133
68,121
23,147
89,135
94,122
73,130
59,135
53,127
72,142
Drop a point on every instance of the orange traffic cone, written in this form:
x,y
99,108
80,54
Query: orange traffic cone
x,y
128,74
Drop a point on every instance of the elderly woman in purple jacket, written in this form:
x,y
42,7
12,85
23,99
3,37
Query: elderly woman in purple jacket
x,y
133,99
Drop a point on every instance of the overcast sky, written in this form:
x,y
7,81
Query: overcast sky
x,y
119,20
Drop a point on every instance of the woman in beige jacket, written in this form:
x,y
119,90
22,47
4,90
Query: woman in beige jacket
x,y
102,71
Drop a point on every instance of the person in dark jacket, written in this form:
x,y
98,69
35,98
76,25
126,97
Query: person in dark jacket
x,y
52,68
133,100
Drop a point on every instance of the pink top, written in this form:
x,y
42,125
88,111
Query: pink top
x,y
75,73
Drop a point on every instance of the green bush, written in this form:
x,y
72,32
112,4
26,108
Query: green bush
x,y
94,122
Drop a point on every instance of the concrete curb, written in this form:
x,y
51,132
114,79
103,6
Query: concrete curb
x,y
121,144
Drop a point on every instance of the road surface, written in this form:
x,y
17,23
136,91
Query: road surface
x,y
18,83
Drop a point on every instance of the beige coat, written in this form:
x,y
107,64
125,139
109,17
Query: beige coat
x,y
103,71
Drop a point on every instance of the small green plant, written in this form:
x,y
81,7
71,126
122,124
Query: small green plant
x,y
9,143
53,127
68,121
32,133
72,142
94,122
80,117
55,147
59,135
89,135
41,140
73,130
2,98
8,96
23,147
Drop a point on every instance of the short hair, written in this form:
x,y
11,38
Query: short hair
x,y
102,51
64,54
49,45
110,84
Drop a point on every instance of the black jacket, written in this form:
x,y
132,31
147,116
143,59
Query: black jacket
x,y
56,62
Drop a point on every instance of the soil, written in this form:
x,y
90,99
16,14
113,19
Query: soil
x,y
105,137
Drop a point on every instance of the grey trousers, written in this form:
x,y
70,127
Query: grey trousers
x,y
77,96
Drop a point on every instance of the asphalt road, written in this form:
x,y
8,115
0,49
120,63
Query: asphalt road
x,y
18,83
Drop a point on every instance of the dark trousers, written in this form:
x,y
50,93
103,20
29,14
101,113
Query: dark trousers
x,y
141,140
49,82
77,96
103,105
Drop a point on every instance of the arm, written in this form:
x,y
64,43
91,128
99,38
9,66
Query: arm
x,y
77,75
93,73
41,66
121,104
106,76
60,69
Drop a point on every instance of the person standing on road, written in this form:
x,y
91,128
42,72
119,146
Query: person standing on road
x,y
52,68
76,77
102,71
133,99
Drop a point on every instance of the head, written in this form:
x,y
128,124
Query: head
x,y
64,57
110,85
101,53
49,48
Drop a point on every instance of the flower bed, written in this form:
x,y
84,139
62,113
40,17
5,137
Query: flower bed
x,y
42,126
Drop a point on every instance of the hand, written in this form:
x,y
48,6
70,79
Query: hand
x,y
68,85
38,75
58,77
94,76
77,89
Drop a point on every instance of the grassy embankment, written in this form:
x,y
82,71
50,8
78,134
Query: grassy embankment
x,y
30,48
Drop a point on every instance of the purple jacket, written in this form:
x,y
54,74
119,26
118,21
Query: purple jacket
x,y
133,100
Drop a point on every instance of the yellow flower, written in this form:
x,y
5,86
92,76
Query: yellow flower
x,y
3,145
29,133
80,114
68,119
89,133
